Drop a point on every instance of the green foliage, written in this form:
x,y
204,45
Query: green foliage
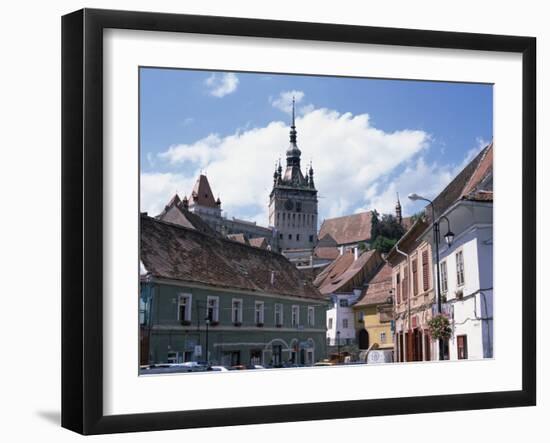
x,y
385,231
440,327
384,244
362,246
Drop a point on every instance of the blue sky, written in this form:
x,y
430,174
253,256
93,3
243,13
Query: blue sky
x,y
367,138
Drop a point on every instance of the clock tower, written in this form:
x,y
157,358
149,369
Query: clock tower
x,y
293,200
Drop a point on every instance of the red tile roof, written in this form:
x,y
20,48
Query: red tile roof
x,y
476,177
345,273
174,212
202,193
348,229
327,252
379,287
258,242
173,252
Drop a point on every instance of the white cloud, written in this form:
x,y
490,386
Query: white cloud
x,y
284,100
349,157
219,85
420,177
157,189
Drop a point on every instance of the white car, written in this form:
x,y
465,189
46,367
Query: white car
x,y
218,369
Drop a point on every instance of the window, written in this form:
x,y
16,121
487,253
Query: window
x,y
184,307
398,286
462,347
297,237
311,238
259,312
425,270
280,236
290,236
237,311
278,314
415,276
382,337
360,317
345,323
344,303
311,316
444,278
330,323
299,206
172,357
405,283
295,319
459,269
213,308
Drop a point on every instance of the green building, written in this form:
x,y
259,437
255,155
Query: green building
x,y
207,298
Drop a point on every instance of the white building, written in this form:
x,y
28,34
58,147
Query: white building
x,y
340,320
342,282
467,264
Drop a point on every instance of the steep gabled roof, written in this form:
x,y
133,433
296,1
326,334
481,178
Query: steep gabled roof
x,y
474,179
348,229
259,242
378,289
175,212
202,193
174,252
345,273
239,237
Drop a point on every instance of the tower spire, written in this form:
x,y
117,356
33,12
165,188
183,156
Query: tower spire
x,y
398,213
293,125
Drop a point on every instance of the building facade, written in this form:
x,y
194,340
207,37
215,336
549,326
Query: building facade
x,y
373,312
206,298
293,201
413,283
343,282
465,208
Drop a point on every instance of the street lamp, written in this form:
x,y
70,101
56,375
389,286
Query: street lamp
x,y
449,237
338,344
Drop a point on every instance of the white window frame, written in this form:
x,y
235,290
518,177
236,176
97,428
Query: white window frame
x,y
239,312
259,308
295,310
459,281
216,312
278,310
311,316
188,303
444,277
383,337
345,323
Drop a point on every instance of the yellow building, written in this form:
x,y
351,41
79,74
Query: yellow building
x,y
374,312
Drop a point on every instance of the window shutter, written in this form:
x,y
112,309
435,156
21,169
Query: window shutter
x,y
398,288
415,276
425,270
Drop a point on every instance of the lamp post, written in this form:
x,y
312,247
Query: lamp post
x,y
207,322
449,236
338,344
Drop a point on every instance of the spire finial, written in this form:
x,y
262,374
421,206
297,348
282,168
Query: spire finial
x,y
293,106
293,126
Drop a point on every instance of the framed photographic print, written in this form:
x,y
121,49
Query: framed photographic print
x,y
256,212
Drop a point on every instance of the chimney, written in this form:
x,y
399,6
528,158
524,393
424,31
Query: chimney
x,y
272,277
341,250
355,253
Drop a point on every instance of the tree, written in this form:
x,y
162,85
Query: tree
x,y
385,232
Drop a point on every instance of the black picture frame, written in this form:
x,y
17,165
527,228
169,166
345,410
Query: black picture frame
x,y
82,235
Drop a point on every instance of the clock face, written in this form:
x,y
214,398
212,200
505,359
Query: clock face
x,y
289,204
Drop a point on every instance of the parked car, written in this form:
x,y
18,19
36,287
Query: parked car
x,y
217,369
